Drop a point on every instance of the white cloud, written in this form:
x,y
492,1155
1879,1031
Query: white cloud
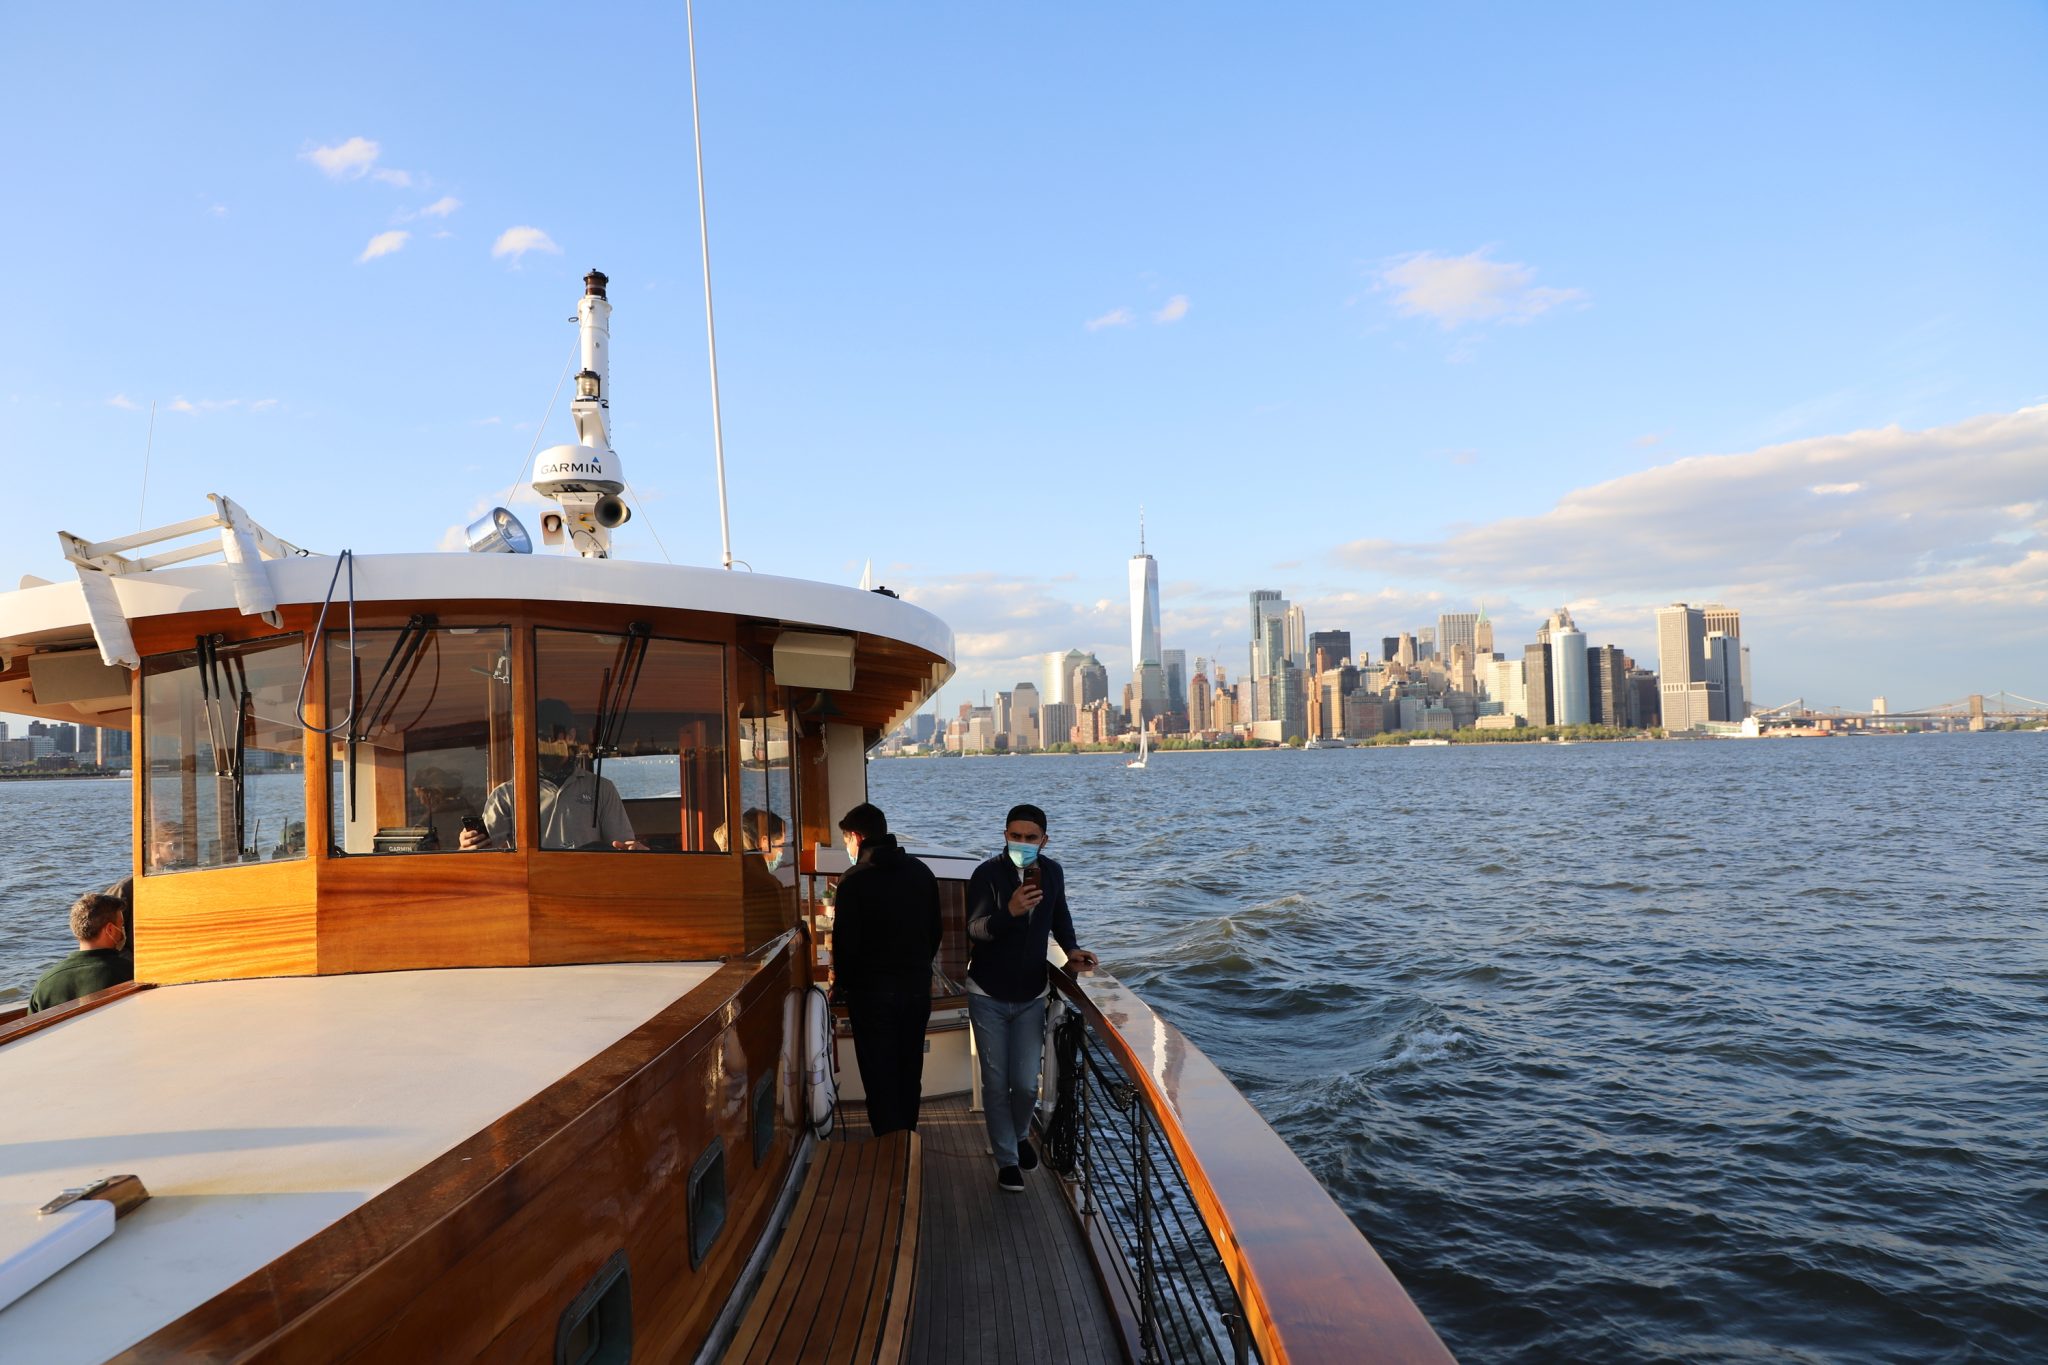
x,y
350,160
219,210
1176,308
384,244
1115,317
402,179
1457,290
442,207
1892,535
517,241
123,402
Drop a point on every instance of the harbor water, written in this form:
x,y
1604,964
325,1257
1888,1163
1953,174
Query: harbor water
x,y
1699,1051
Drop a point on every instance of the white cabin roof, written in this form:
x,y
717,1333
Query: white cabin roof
x,y
259,1112
56,612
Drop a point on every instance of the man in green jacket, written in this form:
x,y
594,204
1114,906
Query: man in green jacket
x,y
99,927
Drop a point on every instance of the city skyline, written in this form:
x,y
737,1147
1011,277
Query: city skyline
x,y
1539,316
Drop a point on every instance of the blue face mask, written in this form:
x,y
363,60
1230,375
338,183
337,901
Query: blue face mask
x,y
1023,855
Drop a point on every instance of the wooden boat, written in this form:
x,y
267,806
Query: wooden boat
x,y
479,900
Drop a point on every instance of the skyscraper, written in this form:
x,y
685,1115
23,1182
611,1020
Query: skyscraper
x,y
1148,673
1425,643
1458,628
1536,685
1023,717
1297,637
1198,703
1482,637
1724,677
1727,620
1607,680
1569,701
1390,645
1327,649
1059,676
1260,597
1090,682
1175,662
1682,667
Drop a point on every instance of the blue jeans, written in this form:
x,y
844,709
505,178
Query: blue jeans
x,y
1011,1041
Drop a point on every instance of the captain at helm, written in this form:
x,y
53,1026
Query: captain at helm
x,y
578,808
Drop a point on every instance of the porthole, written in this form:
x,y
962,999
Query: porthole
x,y
597,1329
706,1201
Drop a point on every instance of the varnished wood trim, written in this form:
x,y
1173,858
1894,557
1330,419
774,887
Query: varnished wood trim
x,y
26,1024
341,1291
1314,1292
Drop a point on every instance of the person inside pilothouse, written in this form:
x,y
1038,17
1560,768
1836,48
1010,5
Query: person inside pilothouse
x,y
578,808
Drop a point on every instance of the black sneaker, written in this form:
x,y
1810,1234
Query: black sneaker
x,y
1027,1155
1010,1180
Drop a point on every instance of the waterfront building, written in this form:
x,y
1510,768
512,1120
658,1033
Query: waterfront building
x,y
1724,676
1645,711
1607,684
1023,727
1537,695
1056,721
1459,670
1326,701
1059,676
1457,628
1498,722
1463,706
1097,723
1504,685
1686,699
1568,684
1365,715
1148,671
1198,703
1224,712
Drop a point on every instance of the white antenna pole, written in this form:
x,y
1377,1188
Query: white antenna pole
x,y
148,448
710,326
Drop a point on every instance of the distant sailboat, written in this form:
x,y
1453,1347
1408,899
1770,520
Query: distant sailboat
x,y
1144,748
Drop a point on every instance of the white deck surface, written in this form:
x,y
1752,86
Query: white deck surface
x,y
259,1112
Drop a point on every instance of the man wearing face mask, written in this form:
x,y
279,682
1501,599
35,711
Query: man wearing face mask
x,y
1015,902
97,922
578,809
885,933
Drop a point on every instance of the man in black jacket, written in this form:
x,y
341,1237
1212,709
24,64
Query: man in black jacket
x,y
885,932
1015,902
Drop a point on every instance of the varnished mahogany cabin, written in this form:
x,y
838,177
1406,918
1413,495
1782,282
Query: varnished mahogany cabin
x,y
366,1133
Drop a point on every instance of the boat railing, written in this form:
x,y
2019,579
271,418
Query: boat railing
x,y
1211,1239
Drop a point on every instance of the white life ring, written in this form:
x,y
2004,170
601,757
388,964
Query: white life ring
x,y
820,1092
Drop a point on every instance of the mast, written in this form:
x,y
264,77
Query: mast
x,y
710,323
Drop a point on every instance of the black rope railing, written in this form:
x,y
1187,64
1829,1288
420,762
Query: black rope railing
x,y
1104,1138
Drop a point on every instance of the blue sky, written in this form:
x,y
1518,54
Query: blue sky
x,y
1397,310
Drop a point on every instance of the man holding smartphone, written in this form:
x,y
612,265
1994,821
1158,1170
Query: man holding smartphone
x,y
1016,901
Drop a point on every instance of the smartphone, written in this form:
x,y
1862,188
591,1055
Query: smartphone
x,y
1031,875
473,823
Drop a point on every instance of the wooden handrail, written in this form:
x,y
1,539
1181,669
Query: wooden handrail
x,y
1314,1291
35,1023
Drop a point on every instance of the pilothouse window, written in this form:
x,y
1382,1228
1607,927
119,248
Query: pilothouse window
x,y
630,737
223,758
430,740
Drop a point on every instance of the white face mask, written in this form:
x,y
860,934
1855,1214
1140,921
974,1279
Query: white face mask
x,y
853,850
775,860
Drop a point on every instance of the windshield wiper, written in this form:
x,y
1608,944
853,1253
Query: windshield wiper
x,y
615,695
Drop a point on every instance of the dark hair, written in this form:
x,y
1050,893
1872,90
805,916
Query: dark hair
x,y
91,914
1026,812
866,820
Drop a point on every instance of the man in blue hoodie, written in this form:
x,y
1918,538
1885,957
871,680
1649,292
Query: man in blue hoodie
x,y
1015,902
